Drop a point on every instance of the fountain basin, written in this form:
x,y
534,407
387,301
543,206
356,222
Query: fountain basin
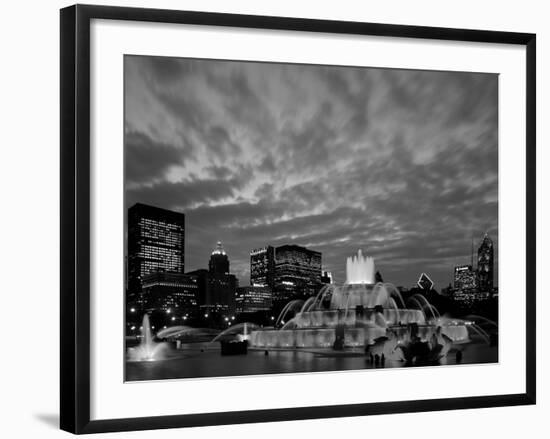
x,y
353,317
353,337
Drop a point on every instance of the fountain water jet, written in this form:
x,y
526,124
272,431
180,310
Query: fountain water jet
x,y
147,350
308,303
360,269
240,331
292,306
179,332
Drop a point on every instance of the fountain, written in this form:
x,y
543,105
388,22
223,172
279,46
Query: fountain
x,y
365,314
182,332
147,350
234,340
238,332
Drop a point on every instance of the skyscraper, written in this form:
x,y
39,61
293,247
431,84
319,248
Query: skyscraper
x,y
156,239
262,266
485,264
222,285
219,262
424,282
203,284
297,272
465,277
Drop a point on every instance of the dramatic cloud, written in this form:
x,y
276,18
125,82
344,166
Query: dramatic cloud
x,y
400,163
146,159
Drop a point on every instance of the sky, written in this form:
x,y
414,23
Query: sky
x,y
402,164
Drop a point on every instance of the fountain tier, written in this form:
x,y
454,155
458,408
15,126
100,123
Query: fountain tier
x,y
359,313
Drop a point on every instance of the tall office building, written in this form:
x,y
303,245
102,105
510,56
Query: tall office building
x,y
297,272
203,284
220,294
219,262
262,267
485,264
465,277
156,240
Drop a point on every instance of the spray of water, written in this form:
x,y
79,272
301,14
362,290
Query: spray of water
x,y
148,349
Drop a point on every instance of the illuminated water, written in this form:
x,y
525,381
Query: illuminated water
x,y
190,362
357,325
363,313
147,350
239,332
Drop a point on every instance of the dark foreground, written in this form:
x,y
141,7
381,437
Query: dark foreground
x,y
198,360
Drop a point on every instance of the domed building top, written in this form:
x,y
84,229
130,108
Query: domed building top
x,y
219,249
219,261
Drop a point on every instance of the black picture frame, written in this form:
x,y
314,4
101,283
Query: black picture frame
x,y
75,217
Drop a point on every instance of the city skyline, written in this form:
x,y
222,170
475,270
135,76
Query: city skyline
x,y
402,164
219,250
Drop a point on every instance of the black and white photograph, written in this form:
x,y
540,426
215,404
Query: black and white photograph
x,y
293,218
275,219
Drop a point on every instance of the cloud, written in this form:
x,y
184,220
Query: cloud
x,y
401,163
191,192
146,159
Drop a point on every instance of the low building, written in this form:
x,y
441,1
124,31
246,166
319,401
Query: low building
x,y
170,291
251,299
467,297
465,277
